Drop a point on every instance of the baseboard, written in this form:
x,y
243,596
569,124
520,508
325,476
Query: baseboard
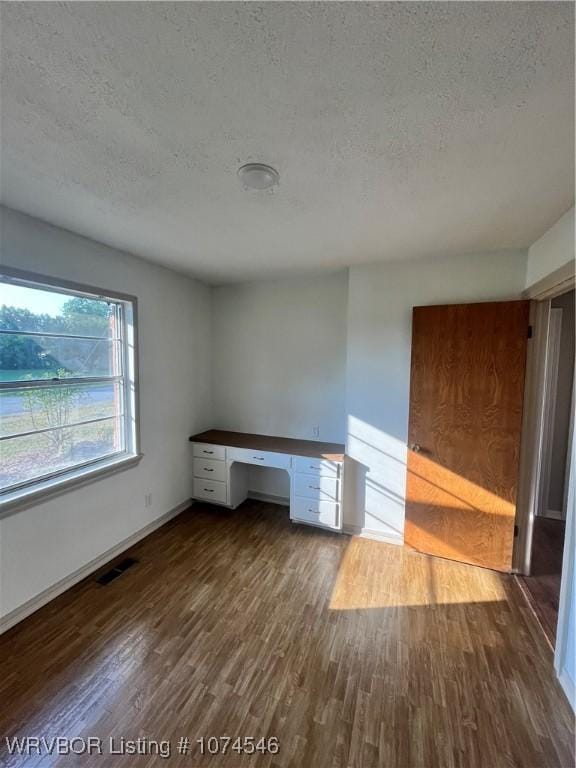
x,y
554,514
568,687
368,533
527,595
25,610
269,498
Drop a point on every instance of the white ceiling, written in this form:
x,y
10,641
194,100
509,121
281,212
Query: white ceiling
x,y
399,129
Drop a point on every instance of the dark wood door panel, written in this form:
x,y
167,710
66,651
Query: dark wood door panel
x,y
466,395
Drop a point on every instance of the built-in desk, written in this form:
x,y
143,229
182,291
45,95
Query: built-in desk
x,y
316,472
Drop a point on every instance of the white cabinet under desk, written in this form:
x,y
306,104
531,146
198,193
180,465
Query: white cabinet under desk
x,y
221,461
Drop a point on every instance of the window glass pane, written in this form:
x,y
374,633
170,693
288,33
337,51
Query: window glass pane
x,y
47,334
33,408
28,458
32,309
46,357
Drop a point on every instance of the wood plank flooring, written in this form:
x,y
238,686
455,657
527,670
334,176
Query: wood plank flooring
x,y
351,652
542,587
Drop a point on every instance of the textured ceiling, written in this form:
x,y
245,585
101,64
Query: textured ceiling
x,y
400,130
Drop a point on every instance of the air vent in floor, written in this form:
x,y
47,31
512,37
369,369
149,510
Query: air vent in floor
x,y
118,570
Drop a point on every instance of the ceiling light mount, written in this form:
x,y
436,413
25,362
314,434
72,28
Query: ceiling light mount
x,y
258,176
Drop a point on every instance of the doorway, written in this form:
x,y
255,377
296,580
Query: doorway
x,y
541,583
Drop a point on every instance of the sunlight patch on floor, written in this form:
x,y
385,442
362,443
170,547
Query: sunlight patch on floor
x,y
377,575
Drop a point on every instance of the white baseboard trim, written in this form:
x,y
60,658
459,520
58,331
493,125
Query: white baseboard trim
x,y
368,533
269,498
23,611
554,514
569,688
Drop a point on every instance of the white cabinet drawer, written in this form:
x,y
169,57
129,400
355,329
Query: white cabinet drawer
x,y
211,490
210,469
320,487
207,451
260,458
312,466
326,513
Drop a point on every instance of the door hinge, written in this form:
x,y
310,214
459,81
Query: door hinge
x,y
530,332
515,531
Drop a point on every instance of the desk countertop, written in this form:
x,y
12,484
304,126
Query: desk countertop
x,y
313,448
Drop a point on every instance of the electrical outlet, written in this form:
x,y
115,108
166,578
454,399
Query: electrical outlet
x,y
316,431
148,500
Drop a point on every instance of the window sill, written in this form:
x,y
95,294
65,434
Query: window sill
x,y
43,491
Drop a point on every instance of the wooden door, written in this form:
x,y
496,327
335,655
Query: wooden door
x,y
466,394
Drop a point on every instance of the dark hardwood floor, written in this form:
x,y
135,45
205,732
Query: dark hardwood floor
x,y
542,587
351,652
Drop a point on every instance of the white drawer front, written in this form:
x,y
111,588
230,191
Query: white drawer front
x,y
206,451
210,469
320,487
260,458
326,513
211,490
313,466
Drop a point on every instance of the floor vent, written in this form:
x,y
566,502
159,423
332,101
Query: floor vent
x,y
118,570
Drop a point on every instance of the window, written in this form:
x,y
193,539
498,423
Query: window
x,y
68,397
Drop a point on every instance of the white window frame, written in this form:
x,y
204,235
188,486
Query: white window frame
x,y
39,489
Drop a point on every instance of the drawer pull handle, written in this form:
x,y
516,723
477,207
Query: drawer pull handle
x,y
208,490
208,452
315,511
313,466
207,469
258,458
314,487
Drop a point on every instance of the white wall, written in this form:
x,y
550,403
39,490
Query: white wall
x,y
568,669
565,653
279,358
553,250
334,351
380,301
60,536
